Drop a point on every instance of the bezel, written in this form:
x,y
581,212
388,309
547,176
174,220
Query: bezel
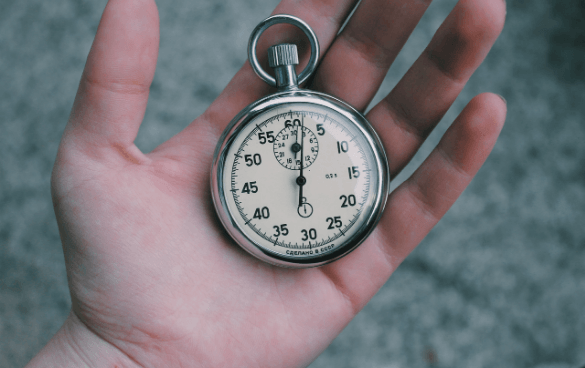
x,y
273,101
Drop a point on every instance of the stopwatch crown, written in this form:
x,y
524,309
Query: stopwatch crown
x,y
283,54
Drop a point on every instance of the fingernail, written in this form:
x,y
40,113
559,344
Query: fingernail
x,y
503,99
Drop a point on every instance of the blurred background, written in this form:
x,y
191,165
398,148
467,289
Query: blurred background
x,y
500,282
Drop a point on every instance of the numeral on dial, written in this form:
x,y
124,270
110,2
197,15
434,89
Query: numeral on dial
x,y
266,137
353,172
262,213
256,159
294,122
347,200
320,129
310,234
280,230
334,222
342,146
250,187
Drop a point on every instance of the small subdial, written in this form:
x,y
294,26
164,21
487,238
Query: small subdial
x,y
291,147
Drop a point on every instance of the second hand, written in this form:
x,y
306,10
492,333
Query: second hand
x,y
301,179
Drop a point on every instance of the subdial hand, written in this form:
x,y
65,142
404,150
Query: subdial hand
x,y
296,147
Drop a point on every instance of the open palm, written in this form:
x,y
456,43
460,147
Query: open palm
x,y
156,282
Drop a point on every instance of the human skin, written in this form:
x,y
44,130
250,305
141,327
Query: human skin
x,y
154,279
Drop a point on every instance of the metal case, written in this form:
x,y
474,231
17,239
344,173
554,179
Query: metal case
x,y
273,101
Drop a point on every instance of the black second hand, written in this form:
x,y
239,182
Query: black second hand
x,y
301,177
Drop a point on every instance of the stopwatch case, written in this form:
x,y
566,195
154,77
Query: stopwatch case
x,y
282,99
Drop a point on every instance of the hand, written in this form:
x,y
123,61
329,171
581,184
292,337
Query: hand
x,y
156,282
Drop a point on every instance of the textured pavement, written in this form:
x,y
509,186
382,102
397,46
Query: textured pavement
x,y
500,282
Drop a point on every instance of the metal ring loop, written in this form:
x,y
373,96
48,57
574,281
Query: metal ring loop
x,y
276,19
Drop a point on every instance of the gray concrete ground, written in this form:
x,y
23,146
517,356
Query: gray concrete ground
x,y
500,282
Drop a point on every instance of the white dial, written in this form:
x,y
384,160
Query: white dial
x,y
300,180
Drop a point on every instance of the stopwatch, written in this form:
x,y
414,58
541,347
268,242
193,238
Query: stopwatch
x,y
299,178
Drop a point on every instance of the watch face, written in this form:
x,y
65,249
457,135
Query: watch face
x,y
301,183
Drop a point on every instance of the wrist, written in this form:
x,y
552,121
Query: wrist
x,y
74,345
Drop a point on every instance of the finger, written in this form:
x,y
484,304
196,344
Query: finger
x,y
113,91
325,17
357,62
405,117
418,203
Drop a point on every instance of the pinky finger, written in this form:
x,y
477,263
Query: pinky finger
x,y
422,200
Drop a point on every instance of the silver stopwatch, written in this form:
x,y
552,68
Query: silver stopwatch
x,y
299,178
